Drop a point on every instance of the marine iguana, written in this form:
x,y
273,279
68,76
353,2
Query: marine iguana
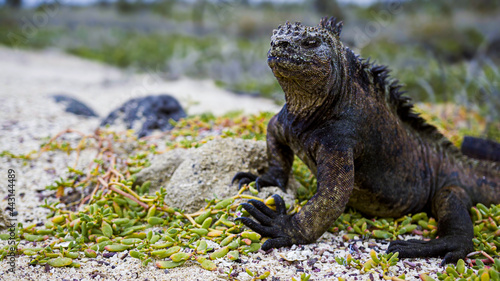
x,y
356,131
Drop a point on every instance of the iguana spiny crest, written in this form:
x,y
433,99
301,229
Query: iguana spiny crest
x,y
307,58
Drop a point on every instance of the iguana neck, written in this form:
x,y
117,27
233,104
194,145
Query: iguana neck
x,y
304,101
318,101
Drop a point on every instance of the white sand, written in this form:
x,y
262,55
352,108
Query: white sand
x,y
27,116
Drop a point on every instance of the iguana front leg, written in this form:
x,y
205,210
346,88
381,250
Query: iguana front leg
x,y
280,157
335,182
455,230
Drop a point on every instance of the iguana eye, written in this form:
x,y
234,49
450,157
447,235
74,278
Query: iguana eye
x,y
311,42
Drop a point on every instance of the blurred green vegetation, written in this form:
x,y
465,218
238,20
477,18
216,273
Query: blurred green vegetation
x,y
443,51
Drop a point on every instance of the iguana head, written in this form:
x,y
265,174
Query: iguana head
x,y
306,60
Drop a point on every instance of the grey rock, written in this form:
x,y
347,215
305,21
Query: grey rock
x,y
162,168
193,175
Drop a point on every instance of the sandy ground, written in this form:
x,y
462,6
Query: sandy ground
x,y
103,88
28,117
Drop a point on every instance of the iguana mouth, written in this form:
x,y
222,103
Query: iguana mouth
x,y
286,66
285,60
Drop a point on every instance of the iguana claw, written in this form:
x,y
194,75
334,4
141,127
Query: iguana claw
x,y
275,224
451,248
260,181
243,178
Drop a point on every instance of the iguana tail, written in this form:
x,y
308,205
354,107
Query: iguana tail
x,y
481,149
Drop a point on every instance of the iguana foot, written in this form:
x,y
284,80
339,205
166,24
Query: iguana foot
x,y
243,178
452,248
265,180
277,225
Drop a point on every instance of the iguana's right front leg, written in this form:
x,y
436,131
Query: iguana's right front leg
x,y
280,157
335,183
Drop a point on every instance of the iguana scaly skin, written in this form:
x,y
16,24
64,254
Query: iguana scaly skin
x,y
358,134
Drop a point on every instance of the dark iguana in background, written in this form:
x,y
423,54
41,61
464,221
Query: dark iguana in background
x,y
358,134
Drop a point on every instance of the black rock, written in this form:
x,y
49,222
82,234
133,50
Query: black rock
x,y
152,112
74,106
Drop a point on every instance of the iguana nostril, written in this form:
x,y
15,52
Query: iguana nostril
x,y
281,43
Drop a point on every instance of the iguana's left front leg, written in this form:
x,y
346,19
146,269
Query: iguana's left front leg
x,y
455,230
335,178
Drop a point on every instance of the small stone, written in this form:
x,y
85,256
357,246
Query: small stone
x,y
72,105
109,255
